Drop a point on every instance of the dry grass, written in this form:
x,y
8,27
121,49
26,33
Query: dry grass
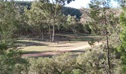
x,y
50,46
37,46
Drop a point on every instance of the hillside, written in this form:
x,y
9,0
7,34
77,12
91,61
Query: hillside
x,y
65,10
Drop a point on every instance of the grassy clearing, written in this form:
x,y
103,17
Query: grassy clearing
x,y
38,46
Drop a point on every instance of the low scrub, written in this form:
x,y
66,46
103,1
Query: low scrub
x,y
12,63
89,62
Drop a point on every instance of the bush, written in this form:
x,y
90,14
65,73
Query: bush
x,y
12,63
40,66
89,62
62,64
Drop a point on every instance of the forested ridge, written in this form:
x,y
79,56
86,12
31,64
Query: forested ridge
x,y
65,10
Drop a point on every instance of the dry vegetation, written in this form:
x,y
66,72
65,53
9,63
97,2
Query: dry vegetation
x,y
79,43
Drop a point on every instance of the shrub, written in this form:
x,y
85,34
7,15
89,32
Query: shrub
x,y
64,63
12,63
61,64
91,62
41,66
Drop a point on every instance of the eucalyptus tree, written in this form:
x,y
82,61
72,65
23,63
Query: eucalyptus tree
x,y
36,18
103,21
51,11
10,58
72,23
122,48
8,21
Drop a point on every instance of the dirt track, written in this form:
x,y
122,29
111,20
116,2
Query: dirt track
x,y
50,49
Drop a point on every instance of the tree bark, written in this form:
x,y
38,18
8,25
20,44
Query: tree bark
x,y
41,32
50,37
108,49
53,33
108,54
107,43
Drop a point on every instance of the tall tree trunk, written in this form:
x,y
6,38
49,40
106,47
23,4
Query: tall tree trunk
x,y
108,53
107,44
41,33
108,49
50,37
53,33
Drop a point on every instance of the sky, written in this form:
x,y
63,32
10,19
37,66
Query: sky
x,y
84,3
81,3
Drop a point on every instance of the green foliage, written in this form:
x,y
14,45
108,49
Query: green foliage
x,y
71,11
41,65
103,22
122,47
12,63
72,23
62,64
8,22
86,63
45,15
99,17
10,58
91,62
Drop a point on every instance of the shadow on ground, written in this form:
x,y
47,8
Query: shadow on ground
x,y
24,43
34,52
61,46
50,53
69,38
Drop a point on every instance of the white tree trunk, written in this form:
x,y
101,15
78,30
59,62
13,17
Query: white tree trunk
x,y
53,33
